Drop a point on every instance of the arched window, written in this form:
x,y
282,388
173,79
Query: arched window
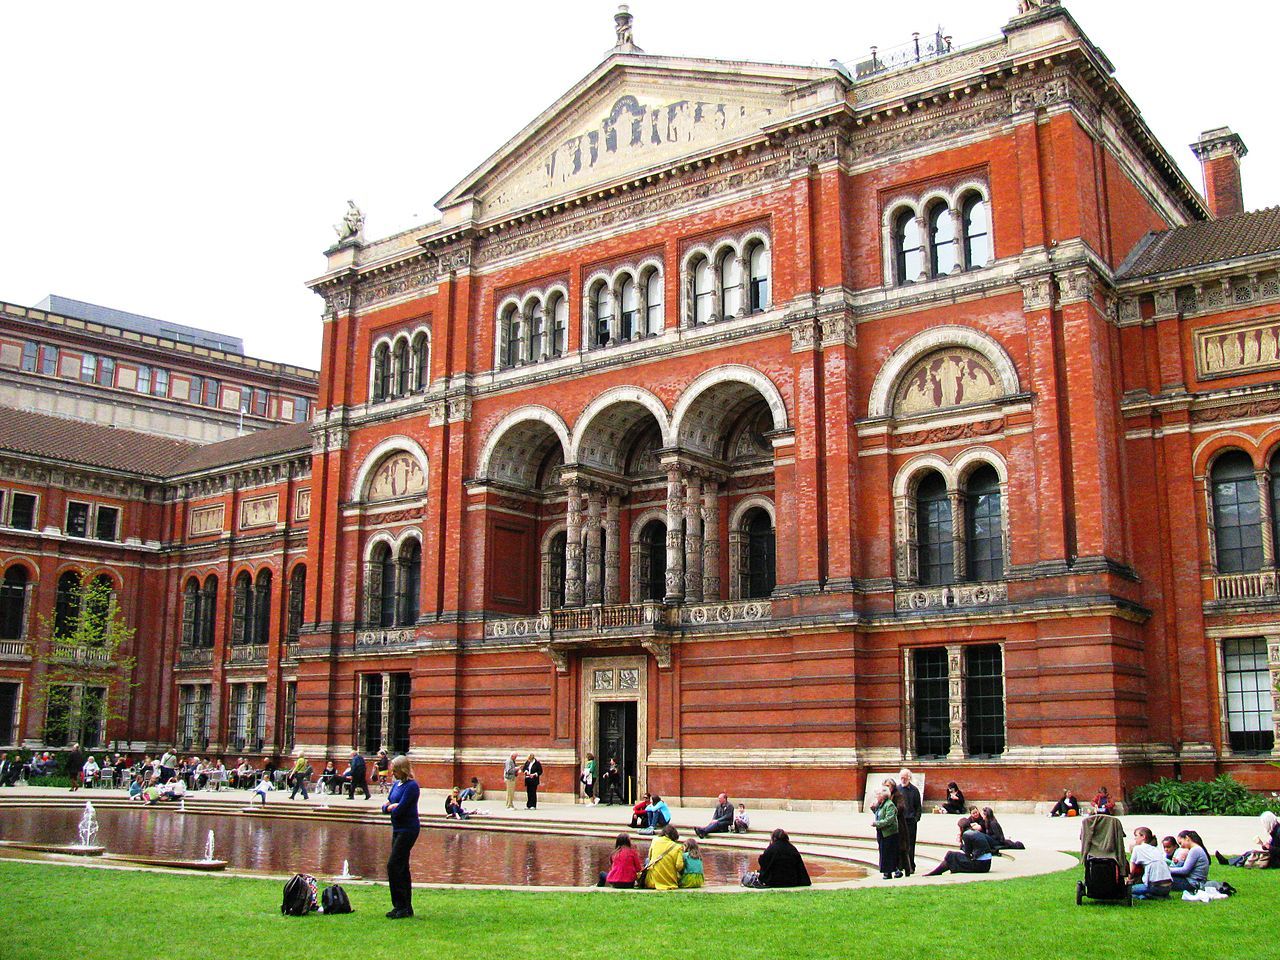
x,y
984,532
653,304
602,313
556,570
629,307
409,583
942,241
512,337
66,607
262,608
98,605
559,313
190,611
1237,514
381,372
242,609
653,561
537,330
380,588
907,249
704,295
729,278
976,225
759,574
933,523
421,362
758,268
208,620
13,603
402,367
297,601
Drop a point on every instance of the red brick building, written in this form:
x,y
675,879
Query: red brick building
x,y
762,426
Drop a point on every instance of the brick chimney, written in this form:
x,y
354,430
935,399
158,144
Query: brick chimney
x,y
1219,152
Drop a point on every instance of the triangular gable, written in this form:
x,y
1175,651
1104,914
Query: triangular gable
x,y
630,115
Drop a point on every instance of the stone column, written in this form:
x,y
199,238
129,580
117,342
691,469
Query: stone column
x,y
573,547
959,567
693,540
711,541
613,549
675,535
955,697
595,588
1268,537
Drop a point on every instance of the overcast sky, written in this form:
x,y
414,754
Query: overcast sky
x,y
187,160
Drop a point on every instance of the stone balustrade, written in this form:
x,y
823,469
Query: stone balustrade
x,y
248,653
195,656
15,650
648,618
1257,585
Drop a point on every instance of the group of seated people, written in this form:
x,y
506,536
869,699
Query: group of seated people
x,y
13,768
1069,806
674,864
1264,854
651,814
453,808
1158,868
981,838
357,776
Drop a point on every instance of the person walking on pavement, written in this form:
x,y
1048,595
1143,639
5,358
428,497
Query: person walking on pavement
x,y
301,774
357,776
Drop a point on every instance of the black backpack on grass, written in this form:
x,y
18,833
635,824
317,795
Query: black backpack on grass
x,y
334,900
297,897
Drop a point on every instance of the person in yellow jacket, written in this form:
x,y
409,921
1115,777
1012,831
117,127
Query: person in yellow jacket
x,y
666,861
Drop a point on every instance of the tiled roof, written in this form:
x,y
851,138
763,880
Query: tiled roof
x,y
1199,244
141,454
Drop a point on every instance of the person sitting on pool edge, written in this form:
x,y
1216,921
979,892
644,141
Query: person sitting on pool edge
x,y
721,818
453,806
638,817
974,855
692,874
780,865
624,865
657,814
666,860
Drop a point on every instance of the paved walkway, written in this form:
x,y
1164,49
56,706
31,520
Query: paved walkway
x,y
842,835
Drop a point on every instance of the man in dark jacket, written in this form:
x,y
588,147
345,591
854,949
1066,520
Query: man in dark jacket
x,y
781,864
721,820
9,770
912,807
974,855
75,763
356,776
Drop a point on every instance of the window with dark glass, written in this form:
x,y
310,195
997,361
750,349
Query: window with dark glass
x,y
242,609
246,399
261,400
984,700
381,372
9,713
259,732
48,360
22,511
556,572
13,605
211,388
984,533
238,723
559,313
107,523
513,345
208,611
106,372
758,265
653,304
387,579
760,545
262,608
942,241
402,367
908,250
421,358
190,612
66,607
301,409
1247,678
653,561
30,356
603,312
932,706
629,305
297,599
976,224
409,583
537,330
371,711
77,519
704,295
1275,500
290,715
1237,514
398,721
933,524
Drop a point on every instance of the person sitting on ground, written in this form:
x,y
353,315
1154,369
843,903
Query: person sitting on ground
x,y
657,814
174,790
624,865
954,803
741,822
1067,805
473,792
90,770
692,874
453,806
1265,854
780,865
1102,803
1192,872
1148,869
666,860
995,833
638,817
721,818
1172,852
150,795
974,855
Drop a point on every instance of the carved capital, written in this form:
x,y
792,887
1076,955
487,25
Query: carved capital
x,y
804,334
661,650
1166,303
560,658
1037,293
1128,310
1077,286
837,330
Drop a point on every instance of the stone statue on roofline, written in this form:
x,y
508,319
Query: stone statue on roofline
x,y
1031,6
351,229
622,24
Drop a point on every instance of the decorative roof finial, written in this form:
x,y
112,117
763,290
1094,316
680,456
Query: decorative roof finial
x,y
622,21
1031,6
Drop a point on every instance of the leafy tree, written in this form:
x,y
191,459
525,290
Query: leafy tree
x,y
88,675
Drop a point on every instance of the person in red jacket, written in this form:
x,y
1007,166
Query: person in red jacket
x,y
638,818
624,865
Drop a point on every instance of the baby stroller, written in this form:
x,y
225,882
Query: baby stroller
x,y
1106,865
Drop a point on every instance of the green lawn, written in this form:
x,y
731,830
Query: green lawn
x,y
52,911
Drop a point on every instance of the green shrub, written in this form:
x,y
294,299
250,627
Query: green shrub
x,y
54,780
1222,796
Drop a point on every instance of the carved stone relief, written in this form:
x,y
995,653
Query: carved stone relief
x,y
1242,348
951,377
400,475
259,512
206,520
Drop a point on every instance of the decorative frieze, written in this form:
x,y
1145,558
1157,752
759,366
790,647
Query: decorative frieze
x,y
386,637
1238,411
954,596
259,511
951,433
203,521
741,611
1057,90
1239,348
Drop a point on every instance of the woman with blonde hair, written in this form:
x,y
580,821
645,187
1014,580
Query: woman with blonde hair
x,y
402,805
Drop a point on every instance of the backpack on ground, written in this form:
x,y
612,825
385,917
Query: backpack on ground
x,y
334,900
299,896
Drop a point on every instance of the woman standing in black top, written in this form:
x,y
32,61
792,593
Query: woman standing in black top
x,y
532,774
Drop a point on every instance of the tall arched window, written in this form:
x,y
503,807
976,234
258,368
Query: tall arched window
x,y
409,583
704,294
380,588
381,372
13,602
66,607
1237,514
629,308
653,304
207,623
537,330
976,225
558,311
729,278
759,567
402,367
602,313
907,248
512,336
190,611
653,561
758,269
97,606
421,361
942,241
297,601
262,608
242,609
984,532
933,523
556,561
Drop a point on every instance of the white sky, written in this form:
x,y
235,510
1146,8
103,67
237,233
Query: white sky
x,y
187,160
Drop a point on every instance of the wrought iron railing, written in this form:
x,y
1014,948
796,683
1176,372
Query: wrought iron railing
x,y
917,50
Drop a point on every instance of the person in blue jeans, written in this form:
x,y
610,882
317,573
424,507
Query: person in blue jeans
x,y
1192,872
402,805
657,814
1147,861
